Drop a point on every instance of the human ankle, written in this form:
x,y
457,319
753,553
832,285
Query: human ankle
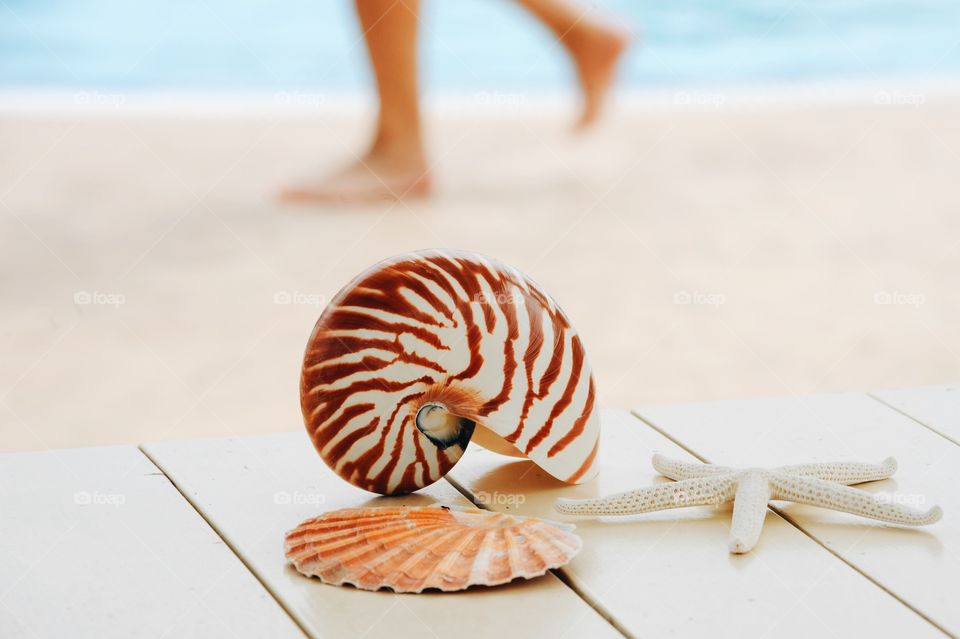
x,y
399,150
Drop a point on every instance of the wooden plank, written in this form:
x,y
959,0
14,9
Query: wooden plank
x,y
97,542
670,573
936,407
919,566
254,489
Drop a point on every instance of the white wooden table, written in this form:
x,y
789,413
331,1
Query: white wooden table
x,y
185,539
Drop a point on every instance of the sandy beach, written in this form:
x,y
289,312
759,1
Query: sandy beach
x,y
154,289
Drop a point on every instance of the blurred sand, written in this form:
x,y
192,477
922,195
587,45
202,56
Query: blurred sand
x,y
782,227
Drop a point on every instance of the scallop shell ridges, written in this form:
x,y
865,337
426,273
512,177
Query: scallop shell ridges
x,y
413,549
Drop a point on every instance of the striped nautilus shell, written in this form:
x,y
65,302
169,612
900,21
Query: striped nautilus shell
x,y
425,351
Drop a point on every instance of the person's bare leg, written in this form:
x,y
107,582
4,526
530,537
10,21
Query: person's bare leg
x,y
395,164
594,42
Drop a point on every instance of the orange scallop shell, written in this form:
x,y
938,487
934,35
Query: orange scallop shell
x,y
412,549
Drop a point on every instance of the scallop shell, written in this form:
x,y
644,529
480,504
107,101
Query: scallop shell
x,y
412,549
425,351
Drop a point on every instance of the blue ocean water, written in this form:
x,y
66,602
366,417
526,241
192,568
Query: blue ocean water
x,y
467,44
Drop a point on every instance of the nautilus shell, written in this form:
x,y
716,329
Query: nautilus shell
x,y
428,350
412,549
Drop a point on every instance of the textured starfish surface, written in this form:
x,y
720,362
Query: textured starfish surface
x,y
824,484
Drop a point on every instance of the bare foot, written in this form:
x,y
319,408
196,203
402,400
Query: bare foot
x,y
596,45
377,176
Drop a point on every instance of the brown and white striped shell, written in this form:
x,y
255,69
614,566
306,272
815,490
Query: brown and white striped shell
x,y
412,549
426,350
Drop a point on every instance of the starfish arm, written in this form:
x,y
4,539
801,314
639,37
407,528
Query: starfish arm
x,y
844,472
749,512
706,491
676,469
818,492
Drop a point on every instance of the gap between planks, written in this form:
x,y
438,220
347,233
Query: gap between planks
x,y
787,518
915,419
559,573
226,540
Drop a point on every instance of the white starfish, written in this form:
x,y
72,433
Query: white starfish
x,y
824,485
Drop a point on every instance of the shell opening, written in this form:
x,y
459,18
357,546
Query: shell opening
x,y
442,427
